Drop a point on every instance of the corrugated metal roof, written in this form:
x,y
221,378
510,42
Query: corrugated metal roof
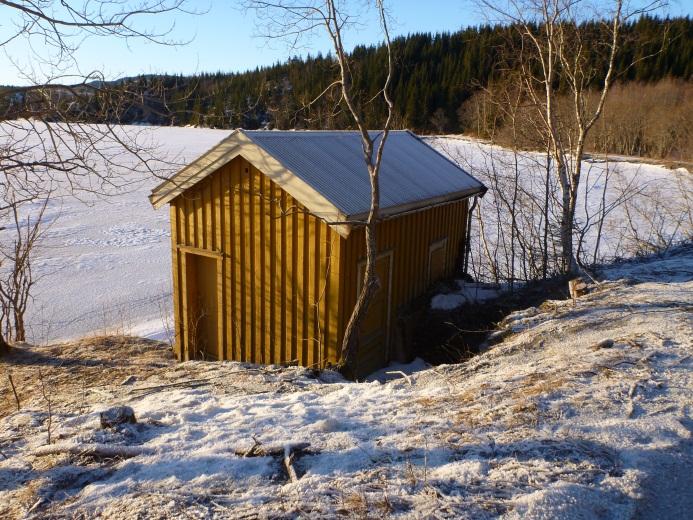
x,y
332,163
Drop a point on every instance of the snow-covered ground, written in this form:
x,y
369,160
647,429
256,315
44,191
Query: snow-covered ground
x,y
584,411
465,293
105,263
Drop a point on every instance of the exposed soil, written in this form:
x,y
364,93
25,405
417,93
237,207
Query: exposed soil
x,y
453,336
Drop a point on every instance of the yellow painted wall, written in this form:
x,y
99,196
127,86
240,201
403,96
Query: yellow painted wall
x,y
278,269
287,282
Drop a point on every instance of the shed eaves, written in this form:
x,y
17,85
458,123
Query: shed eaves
x,y
332,163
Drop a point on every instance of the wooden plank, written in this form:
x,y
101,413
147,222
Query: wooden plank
x,y
236,274
306,303
251,267
449,231
220,309
451,212
294,279
208,217
335,308
299,278
426,241
275,298
217,228
316,274
402,255
395,246
191,214
185,343
225,189
190,220
199,219
414,256
201,252
267,284
243,264
324,294
173,212
457,220
354,250
463,220
284,269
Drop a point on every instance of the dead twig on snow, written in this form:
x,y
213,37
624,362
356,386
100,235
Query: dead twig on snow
x,y
14,390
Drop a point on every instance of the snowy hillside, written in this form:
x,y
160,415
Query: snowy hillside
x,y
584,411
105,266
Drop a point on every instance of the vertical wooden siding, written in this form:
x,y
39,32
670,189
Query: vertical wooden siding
x,y
409,238
279,295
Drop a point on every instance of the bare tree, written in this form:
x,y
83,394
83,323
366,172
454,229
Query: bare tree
x,y
47,135
554,51
296,19
16,275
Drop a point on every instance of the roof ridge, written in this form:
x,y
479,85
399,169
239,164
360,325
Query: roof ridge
x,y
319,131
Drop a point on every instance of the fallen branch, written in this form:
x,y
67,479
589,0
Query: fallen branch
x,y
14,390
192,383
400,373
631,397
288,458
93,450
270,450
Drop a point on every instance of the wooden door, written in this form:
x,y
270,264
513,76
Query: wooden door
x,y
437,254
202,306
374,330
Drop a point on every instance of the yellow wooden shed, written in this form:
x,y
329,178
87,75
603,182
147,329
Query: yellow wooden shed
x,y
267,252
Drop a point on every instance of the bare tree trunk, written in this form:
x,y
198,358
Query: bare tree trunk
x,y
545,245
19,329
554,50
292,19
568,203
369,287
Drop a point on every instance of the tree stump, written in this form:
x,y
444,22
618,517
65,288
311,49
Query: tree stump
x,y
4,346
577,288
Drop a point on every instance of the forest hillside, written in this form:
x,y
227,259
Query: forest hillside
x,y
442,83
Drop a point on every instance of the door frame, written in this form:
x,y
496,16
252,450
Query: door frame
x,y
441,243
359,281
184,252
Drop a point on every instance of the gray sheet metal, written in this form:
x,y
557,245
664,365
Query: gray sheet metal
x,y
332,163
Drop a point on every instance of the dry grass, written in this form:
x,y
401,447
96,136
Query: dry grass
x,y
76,368
539,383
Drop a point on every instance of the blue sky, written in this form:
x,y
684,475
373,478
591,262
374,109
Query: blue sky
x,y
225,38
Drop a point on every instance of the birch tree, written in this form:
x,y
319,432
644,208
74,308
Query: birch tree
x,y
553,54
